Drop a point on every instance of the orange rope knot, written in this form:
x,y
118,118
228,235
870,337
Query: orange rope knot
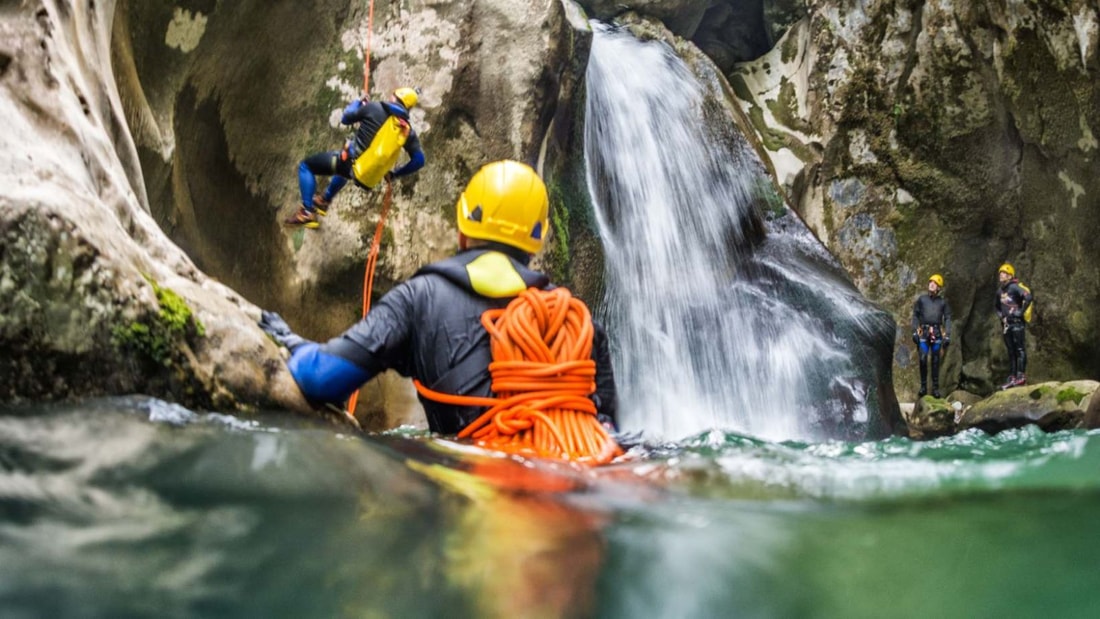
x,y
543,375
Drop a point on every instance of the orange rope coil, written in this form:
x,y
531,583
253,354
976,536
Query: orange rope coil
x,y
543,375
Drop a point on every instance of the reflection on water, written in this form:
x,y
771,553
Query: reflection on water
x,y
132,507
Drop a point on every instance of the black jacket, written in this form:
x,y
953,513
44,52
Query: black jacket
x,y
429,328
932,310
1012,302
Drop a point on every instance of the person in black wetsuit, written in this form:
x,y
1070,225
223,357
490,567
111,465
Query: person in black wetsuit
x,y
931,332
429,326
338,163
1013,300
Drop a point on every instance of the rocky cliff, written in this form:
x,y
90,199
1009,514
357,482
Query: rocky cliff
x,y
151,156
150,151
945,137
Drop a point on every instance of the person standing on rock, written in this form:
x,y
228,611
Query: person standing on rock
x,y
931,332
368,158
1013,301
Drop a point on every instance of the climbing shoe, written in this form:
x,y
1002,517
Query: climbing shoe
x,y
1010,383
303,218
936,393
321,205
923,392
1019,380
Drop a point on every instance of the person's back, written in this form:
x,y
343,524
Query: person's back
x,y
429,327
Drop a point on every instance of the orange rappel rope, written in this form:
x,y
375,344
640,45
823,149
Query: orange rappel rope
x,y
543,375
366,49
368,274
372,257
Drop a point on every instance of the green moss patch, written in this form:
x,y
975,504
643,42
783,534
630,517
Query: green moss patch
x,y
158,335
1070,394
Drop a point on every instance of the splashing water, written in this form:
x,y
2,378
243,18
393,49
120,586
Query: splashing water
x,y
715,326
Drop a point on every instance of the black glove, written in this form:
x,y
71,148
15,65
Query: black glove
x,y
946,341
274,325
626,440
916,338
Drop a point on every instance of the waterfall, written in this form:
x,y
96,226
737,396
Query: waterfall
x,y
720,319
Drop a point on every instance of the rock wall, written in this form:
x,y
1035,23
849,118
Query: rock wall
x,y
945,137
225,101
94,298
153,151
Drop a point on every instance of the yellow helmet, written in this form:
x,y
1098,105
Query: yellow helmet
x,y
408,97
1007,268
505,201
938,279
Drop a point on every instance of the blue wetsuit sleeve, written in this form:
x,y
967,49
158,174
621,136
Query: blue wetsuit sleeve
x,y
416,161
351,113
324,377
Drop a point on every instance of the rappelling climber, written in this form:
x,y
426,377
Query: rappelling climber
x,y
1012,305
429,326
367,158
931,332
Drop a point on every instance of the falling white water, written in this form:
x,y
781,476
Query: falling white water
x,y
706,335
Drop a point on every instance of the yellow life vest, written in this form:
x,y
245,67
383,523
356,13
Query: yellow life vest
x,y
382,153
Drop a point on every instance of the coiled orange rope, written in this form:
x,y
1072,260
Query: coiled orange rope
x,y
543,375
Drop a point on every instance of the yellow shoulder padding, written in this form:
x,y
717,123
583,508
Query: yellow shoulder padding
x,y
493,275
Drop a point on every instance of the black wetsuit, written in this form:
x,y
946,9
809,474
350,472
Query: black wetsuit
x,y
429,328
1012,302
931,331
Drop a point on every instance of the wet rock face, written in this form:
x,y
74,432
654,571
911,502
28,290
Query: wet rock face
x,y
94,298
225,102
151,144
947,138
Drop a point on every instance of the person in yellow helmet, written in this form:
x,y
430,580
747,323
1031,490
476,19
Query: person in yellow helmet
x,y
429,326
931,332
1013,299
370,116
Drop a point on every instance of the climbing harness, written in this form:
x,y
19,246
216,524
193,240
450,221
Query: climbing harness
x,y
542,374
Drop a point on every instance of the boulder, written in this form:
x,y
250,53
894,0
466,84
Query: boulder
x,y
1052,406
930,417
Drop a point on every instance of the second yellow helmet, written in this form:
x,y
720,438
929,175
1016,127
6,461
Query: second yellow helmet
x,y
408,97
1007,268
938,279
505,201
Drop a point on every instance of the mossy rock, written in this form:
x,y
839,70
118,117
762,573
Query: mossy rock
x,y
931,417
1052,406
